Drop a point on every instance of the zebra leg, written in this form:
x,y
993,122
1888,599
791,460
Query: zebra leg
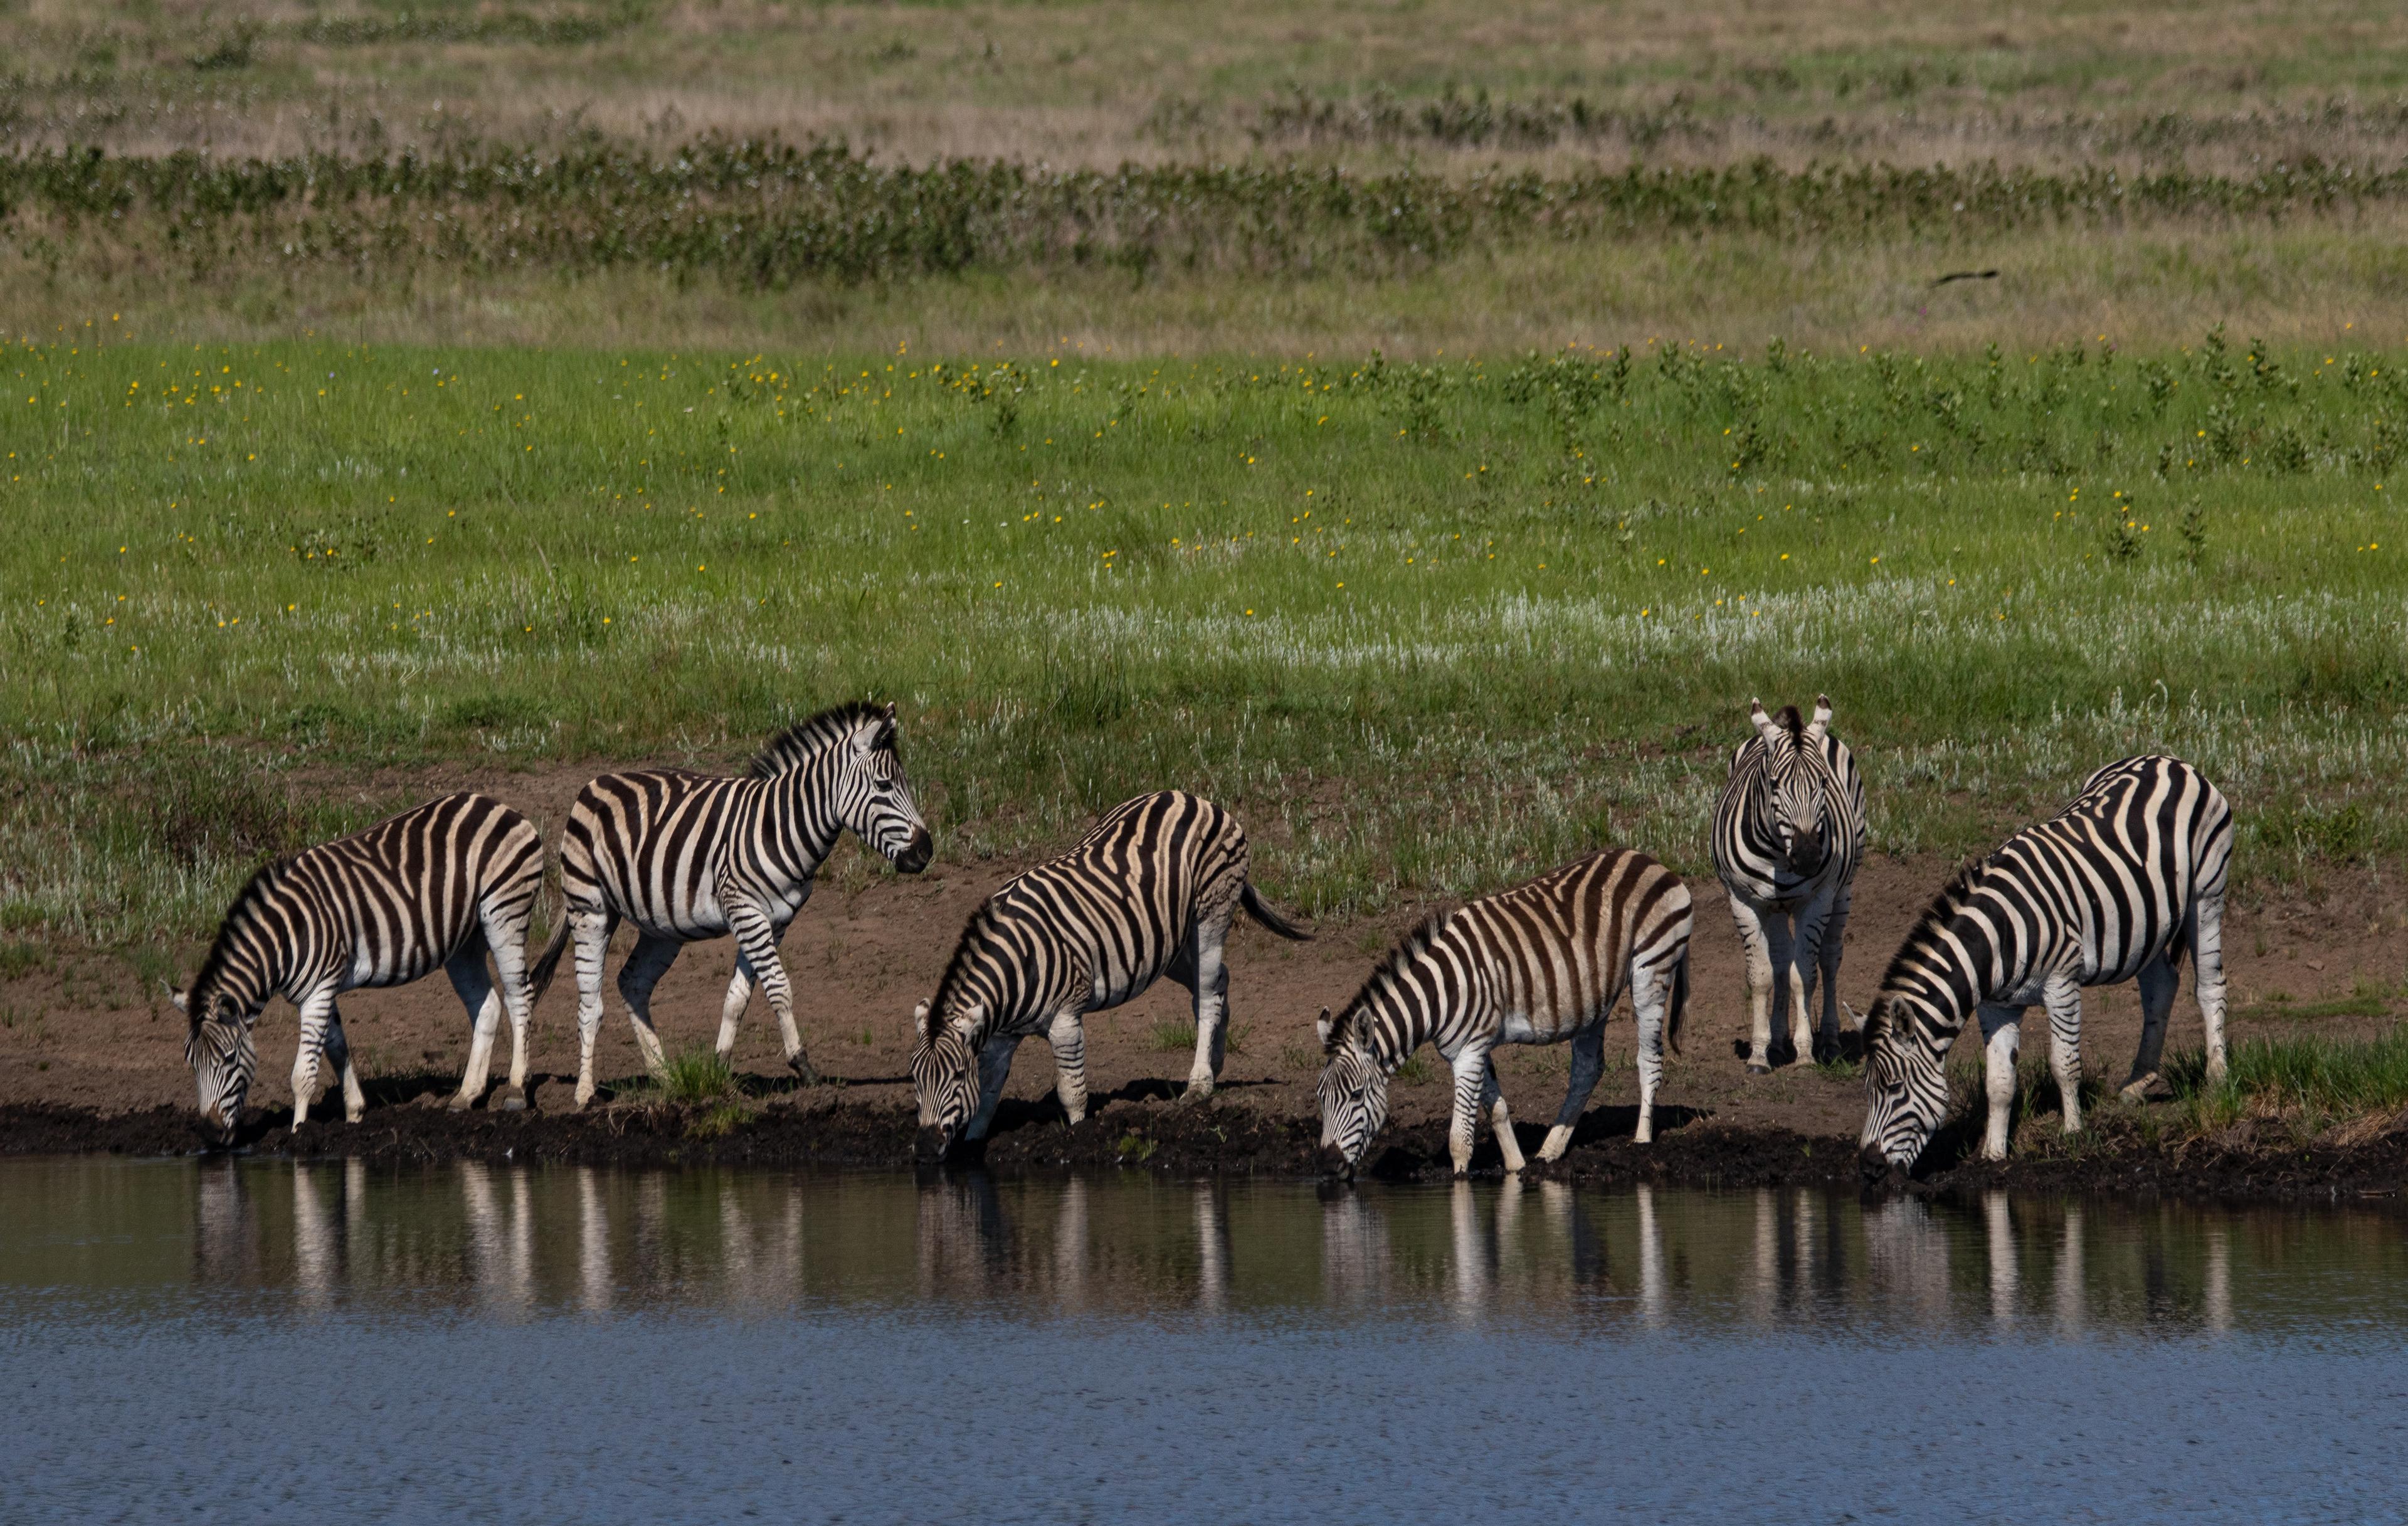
x,y
1210,987
485,1003
646,964
1648,993
1069,1037
339,1053
2207,969
1813,925
739,995
2063,996
1471,1065
1783,948
2158,981
317,1011
1500,1119
590,928
1835,936
1588,1063
994,1069
1759,984
2001,1038
506,935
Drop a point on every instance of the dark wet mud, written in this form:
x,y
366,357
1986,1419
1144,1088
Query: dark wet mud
x,y
1232,1138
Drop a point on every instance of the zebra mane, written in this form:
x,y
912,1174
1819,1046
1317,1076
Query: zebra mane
x,y
799,743
254,890
1384,975
955,969
1950,899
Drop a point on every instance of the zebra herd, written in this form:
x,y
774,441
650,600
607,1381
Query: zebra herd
x,y
2122,885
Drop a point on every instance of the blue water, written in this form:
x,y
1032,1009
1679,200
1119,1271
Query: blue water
x,y
224,1342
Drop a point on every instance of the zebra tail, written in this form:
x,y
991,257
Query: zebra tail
x,y
1679,1003
1271,916
546,963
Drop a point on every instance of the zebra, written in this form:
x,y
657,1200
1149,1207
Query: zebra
x,y
1788,833
1540,963
2118,885
440,885
685,856
1149,891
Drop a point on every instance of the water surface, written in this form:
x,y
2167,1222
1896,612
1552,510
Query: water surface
x,y
226,1339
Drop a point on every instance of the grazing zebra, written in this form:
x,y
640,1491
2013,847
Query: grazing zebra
x,y
1149,892
439,885
1788,833
1537,964
2119,884
685,856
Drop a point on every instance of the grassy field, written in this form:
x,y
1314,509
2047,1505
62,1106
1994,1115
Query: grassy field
x,y
1433,627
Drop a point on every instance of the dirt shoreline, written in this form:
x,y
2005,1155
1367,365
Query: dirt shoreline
x,y
1234,1138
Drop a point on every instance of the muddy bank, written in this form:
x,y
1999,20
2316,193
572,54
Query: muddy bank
x,y
2120,1156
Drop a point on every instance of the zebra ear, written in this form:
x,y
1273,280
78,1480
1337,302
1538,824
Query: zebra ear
x,y
1765,726
1822,721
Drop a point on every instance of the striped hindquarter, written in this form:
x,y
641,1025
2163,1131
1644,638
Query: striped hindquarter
x,y
1787,835
2119,886
1541,963
1149,891
685,856
438,886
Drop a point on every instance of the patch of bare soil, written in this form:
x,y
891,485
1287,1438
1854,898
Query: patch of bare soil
x,y
89,1059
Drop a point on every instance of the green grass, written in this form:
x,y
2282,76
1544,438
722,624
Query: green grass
x,y
2305,1077
1429,627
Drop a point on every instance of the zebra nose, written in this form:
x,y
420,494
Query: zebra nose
x,y
1879,1173
916,853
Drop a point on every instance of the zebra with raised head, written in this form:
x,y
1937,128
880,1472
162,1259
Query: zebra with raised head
x,y
685,856
1149,892
1540,963
2119,886
1788,833
439,887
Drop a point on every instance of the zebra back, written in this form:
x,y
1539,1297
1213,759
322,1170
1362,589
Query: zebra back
x,y
1791,819
2100,890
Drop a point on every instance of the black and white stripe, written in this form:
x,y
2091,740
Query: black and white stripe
x,y
2119,886
1149,892
685,856
435,887
1788,833
1540,963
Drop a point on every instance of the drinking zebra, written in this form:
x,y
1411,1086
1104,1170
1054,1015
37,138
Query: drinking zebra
x,y
437,887
1537,964
1149,891
1787,835
2120,885
685,856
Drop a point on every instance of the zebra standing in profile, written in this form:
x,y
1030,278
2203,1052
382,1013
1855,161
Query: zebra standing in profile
x,y
1537,964
437,887
1788,833
2122,883
685,856
1149,891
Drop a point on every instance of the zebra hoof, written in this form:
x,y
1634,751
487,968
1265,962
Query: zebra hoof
x,y
510,1100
